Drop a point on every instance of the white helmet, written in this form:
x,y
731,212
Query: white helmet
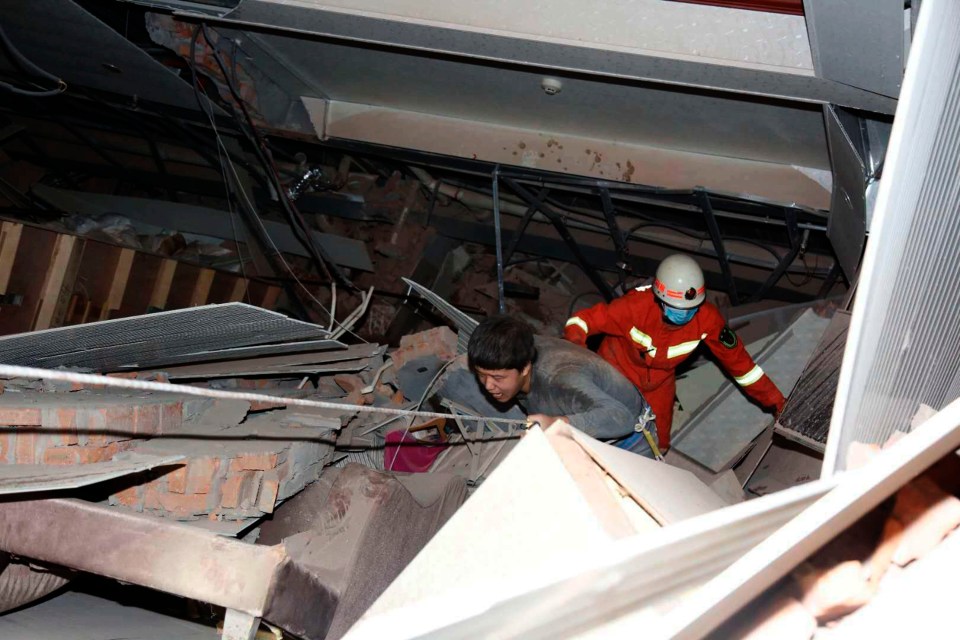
x,y
679,282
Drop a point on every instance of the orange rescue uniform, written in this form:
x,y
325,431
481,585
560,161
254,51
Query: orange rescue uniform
x,y
647,349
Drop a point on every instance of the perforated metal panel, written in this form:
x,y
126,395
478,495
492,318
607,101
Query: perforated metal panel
x,y
143,340
903,348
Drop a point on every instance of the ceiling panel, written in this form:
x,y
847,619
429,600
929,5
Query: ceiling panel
x,y
636,113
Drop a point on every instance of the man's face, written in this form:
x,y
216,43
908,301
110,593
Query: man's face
x,y
503,384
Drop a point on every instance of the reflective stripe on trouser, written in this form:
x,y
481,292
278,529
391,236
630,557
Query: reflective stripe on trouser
x,y
578,322
643,340
750,377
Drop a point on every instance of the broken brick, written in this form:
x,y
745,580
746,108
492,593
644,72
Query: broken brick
x,y
20,417
241,490
230,498
269,489
92,453
177,480
254,462
182,505
834,592
439,341
882,556
60,455
201,473
131,497
928,514
147,419
25,448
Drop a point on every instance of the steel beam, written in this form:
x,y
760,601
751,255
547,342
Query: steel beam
x,y
711,219
483,46
501,303
557,221
793,235
619,238
524,223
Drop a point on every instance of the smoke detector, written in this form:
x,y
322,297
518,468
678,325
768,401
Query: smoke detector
x,y
551,86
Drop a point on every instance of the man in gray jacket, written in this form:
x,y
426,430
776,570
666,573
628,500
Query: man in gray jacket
x,y
548,379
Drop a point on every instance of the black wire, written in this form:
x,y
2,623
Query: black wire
x,y
29,67
297,222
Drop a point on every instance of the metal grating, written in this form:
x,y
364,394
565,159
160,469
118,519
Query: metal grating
x,y
719,433
806,417
143,340
251,352
903,347
464,323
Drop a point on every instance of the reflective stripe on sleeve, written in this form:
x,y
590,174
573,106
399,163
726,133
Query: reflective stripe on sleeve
x,y
643,340
750,377
682,349
575,321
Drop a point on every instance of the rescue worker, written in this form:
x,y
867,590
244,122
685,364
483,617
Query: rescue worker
x,y
547,379
650,330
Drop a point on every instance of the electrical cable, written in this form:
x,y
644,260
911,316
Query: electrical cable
x,y
297,222
223,154
423,398
24,63
12,371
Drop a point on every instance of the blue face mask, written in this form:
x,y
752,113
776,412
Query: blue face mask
x,y
679,316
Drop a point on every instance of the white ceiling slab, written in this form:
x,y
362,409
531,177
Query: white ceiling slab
x,y
629,112
749,38
563,153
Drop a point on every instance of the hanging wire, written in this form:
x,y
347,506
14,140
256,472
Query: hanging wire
x,y
29,67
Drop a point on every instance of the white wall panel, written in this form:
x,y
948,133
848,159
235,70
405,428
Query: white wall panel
x,y
904,343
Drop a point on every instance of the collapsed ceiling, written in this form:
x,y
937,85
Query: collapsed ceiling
x,y
610,138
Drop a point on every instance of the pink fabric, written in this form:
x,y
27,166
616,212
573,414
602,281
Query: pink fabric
x,y
403,452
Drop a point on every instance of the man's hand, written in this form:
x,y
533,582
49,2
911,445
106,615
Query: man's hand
x,y
543,420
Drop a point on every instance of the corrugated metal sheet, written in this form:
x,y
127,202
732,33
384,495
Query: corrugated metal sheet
x,y
141,340
903,348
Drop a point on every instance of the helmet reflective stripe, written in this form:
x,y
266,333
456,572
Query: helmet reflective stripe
x,y
750,377
578,322
679,282
643,340
676,295
682,349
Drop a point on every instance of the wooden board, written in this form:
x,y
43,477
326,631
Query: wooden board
x,y
605,498
118,283
58,283
183,286
30,264
144,274
201,288
163,283
10,234
667,493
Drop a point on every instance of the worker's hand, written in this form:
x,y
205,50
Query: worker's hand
x,y
543,420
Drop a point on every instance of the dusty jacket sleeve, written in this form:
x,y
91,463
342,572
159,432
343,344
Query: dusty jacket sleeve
x,y
590,409
602,318
729,350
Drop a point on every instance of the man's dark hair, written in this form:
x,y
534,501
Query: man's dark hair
x,y
501,342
